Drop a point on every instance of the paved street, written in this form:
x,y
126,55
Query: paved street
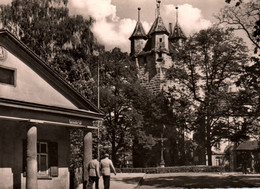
x,y
123,180
200,180
183,180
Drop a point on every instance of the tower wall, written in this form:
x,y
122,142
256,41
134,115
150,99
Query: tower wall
x,y
160,40
137,46
152,73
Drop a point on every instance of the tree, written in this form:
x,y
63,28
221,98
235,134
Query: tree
x,y
244,16
134,116
249,97
65,42
208,65
118,77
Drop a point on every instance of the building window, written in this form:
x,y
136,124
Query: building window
x,y
42,157
218,161
47,158
160,39
7,76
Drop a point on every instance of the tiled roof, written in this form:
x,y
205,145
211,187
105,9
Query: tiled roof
x,y
138,31
158,26
177,33
248,145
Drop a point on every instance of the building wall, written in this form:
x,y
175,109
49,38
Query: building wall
x,y
30,86
12,136
137,45
152,72
157,43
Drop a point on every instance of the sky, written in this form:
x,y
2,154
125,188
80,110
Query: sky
x,y
116,19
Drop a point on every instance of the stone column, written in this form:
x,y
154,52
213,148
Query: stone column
x,y
87,153
31,170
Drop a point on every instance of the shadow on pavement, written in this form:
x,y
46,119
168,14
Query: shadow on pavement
x,y
129,180
199,182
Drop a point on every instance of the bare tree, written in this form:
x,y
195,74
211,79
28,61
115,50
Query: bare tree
x,y
244,16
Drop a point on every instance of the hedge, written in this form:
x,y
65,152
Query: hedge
x,y
175,169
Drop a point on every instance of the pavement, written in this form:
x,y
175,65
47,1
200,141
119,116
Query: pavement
x,y
123,180
200,180
183,180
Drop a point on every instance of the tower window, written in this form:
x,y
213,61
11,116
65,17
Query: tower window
x,y
160,39
7,76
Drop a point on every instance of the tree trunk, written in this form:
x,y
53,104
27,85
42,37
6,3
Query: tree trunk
x,y
208,144
114,148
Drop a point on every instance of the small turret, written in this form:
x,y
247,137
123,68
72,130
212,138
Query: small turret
x,y
138,37
158,25
177,35
158,34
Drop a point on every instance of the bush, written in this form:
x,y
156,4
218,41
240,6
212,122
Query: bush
x,y
176,169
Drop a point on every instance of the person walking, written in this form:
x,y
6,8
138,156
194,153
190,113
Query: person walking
x,y
94,173
106,167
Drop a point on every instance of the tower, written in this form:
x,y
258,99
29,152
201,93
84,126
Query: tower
x,y
157,43
138,37
153,52
177,36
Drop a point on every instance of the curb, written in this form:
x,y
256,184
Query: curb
x,y
140,182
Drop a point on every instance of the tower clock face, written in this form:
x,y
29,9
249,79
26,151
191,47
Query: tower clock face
x,y
2,53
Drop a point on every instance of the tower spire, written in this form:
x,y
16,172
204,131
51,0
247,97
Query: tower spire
x,y
139,14
177,15
158,7
177,32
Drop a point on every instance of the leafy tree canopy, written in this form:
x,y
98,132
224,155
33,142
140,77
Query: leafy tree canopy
x,y
205,73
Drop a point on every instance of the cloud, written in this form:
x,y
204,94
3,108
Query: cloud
x,y
113,31
189,18
5,2
109,29
99,9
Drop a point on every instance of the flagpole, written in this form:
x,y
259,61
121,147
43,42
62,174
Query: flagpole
x,y
98,87
96,53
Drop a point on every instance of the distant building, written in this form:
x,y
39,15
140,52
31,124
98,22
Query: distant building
x,y
152,52
37,109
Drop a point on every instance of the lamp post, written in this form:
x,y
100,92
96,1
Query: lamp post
x,y
162,163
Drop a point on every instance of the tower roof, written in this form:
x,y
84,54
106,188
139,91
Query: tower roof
x,y
158,25
177,32
139,30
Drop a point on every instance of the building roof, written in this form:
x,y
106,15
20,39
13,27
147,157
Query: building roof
x,y
248,146
177,33
138,31
19,49
158,26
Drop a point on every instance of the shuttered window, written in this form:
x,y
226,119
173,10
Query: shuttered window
x,y
47,158
42,158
